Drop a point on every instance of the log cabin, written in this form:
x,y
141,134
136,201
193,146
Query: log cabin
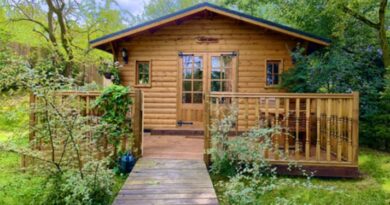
x,y
191,63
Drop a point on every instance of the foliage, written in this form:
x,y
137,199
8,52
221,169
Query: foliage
x,y
115,102
63,160
110,71
336,71
64,28
375,126
372,188
242,159
69,188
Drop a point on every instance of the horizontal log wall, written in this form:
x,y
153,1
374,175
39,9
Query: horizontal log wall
x,y
161,47
319,129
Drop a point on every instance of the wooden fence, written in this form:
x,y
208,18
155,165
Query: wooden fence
x,y
85,101
322,128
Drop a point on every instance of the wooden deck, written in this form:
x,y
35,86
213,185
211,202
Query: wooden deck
x,y
167,181
173,147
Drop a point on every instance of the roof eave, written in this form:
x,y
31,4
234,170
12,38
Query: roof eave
x,y
213,8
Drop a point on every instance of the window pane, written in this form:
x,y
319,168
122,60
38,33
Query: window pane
x,y
215,86
276,79
198,73
198,86
227,61
276,68
187,73
146,68
143,79
215,73
197,98
187,86
269,68
269,79
215,62
187,61
198,61
186,98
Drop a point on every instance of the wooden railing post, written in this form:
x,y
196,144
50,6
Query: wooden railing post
x,y
32,117
137,123
355,120
207,137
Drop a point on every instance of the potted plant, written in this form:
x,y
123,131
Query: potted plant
x,y
110,71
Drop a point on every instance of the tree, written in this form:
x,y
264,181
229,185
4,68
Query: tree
x,y
66,27
380,25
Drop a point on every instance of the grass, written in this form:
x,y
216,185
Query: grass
x,y
17,186
373,188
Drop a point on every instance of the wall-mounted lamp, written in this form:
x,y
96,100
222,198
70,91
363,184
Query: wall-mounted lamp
x,y
125,55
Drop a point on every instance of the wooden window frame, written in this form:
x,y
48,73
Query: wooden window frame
x,y
280,71
136,77
221,80
192,80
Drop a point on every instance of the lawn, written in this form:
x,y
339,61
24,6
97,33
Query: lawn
x,y
372,188
16,186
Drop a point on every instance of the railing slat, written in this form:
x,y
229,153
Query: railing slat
x,y
328,121
307,146
318,144
277,105
287,143
297,116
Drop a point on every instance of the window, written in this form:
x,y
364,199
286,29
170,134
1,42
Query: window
x,y
142,75
192,90
273,72
222,73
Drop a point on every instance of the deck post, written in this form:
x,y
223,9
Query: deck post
x,y
32,117
137,123
355,120
206,121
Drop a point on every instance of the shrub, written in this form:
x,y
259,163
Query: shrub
x,y
95,188
115,103
63,132
242,159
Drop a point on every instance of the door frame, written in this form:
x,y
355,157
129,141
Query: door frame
x,y
206,75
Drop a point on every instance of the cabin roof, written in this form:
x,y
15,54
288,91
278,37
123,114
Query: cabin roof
x,y
215,9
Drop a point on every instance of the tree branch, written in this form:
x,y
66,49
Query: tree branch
x,y
361,18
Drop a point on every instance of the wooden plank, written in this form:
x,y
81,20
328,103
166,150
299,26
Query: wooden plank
x,y
164,181
307,144
355,120
287,111
328,128
137,123
297,118
318,144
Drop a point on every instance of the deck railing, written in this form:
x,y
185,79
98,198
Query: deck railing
x,y
322,128
84,106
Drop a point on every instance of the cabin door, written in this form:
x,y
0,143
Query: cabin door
x,y
191,90
201,72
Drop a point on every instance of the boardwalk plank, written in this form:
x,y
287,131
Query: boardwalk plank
x,y
167,181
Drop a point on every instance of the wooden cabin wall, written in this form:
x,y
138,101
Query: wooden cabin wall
x,y
162,45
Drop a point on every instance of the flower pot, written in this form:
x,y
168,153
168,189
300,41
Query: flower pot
x,y
126,163
107,75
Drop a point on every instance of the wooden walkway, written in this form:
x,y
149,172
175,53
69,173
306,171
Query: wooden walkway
x,y
167,181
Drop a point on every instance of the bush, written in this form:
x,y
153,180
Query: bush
x,y
337,71
241,158
69,188
115,103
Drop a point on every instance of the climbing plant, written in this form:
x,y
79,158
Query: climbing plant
x,y
115,103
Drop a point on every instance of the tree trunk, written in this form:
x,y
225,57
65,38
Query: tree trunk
x,y
383,38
